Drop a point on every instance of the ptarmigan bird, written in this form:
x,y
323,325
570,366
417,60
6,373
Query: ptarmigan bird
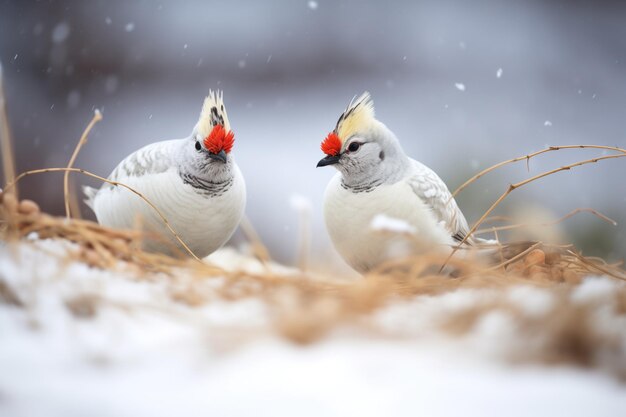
x,y
376,177
193,181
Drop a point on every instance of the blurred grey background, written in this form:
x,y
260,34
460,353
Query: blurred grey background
x,y
464,85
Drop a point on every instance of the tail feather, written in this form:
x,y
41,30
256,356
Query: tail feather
x,y
90,194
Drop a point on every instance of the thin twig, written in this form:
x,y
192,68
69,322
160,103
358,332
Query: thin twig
x,y
515,258
74,202
6,144
114,183
597,267
513,187
572,213
97,116
258,248
527,158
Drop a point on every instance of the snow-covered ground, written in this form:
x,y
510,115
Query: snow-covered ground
x,y
100,343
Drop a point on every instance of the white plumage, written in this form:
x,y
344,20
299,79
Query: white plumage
x,y
376,177
201,192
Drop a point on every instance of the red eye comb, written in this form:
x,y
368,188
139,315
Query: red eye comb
x,y
331,145
219,140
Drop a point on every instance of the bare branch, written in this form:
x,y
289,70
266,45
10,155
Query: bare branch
x,y
97,116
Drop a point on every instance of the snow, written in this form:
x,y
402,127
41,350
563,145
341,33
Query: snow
x,y
142,353
547,123
531,300
593,289
130,26
382,222
499,73
312,4
460,86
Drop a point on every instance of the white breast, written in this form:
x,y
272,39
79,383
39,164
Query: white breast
x,y
348,217
204,223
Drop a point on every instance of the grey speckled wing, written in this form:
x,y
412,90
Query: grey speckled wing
x,y
434,192
151,159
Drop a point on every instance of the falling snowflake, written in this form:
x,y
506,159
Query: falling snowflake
x,y
460,86
499,73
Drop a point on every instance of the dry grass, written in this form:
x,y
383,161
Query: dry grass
x,y
313,304
619,153
6,143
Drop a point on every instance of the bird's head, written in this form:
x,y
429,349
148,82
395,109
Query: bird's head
x,y
212,140
362,148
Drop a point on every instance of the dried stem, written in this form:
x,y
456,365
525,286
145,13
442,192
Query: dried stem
x,y
74,202
527,158
608,271
6,144
258,248
304,238
97,116
572,213
513,187
515,258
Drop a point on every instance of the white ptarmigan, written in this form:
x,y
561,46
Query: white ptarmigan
x,y
376,177
193,181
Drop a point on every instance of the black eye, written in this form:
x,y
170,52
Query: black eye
x,y
354,146
198,146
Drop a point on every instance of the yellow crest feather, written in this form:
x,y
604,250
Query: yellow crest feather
x,y
358,117
213,113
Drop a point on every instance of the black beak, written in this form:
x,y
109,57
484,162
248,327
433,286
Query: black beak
x,y
221,156
328,160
